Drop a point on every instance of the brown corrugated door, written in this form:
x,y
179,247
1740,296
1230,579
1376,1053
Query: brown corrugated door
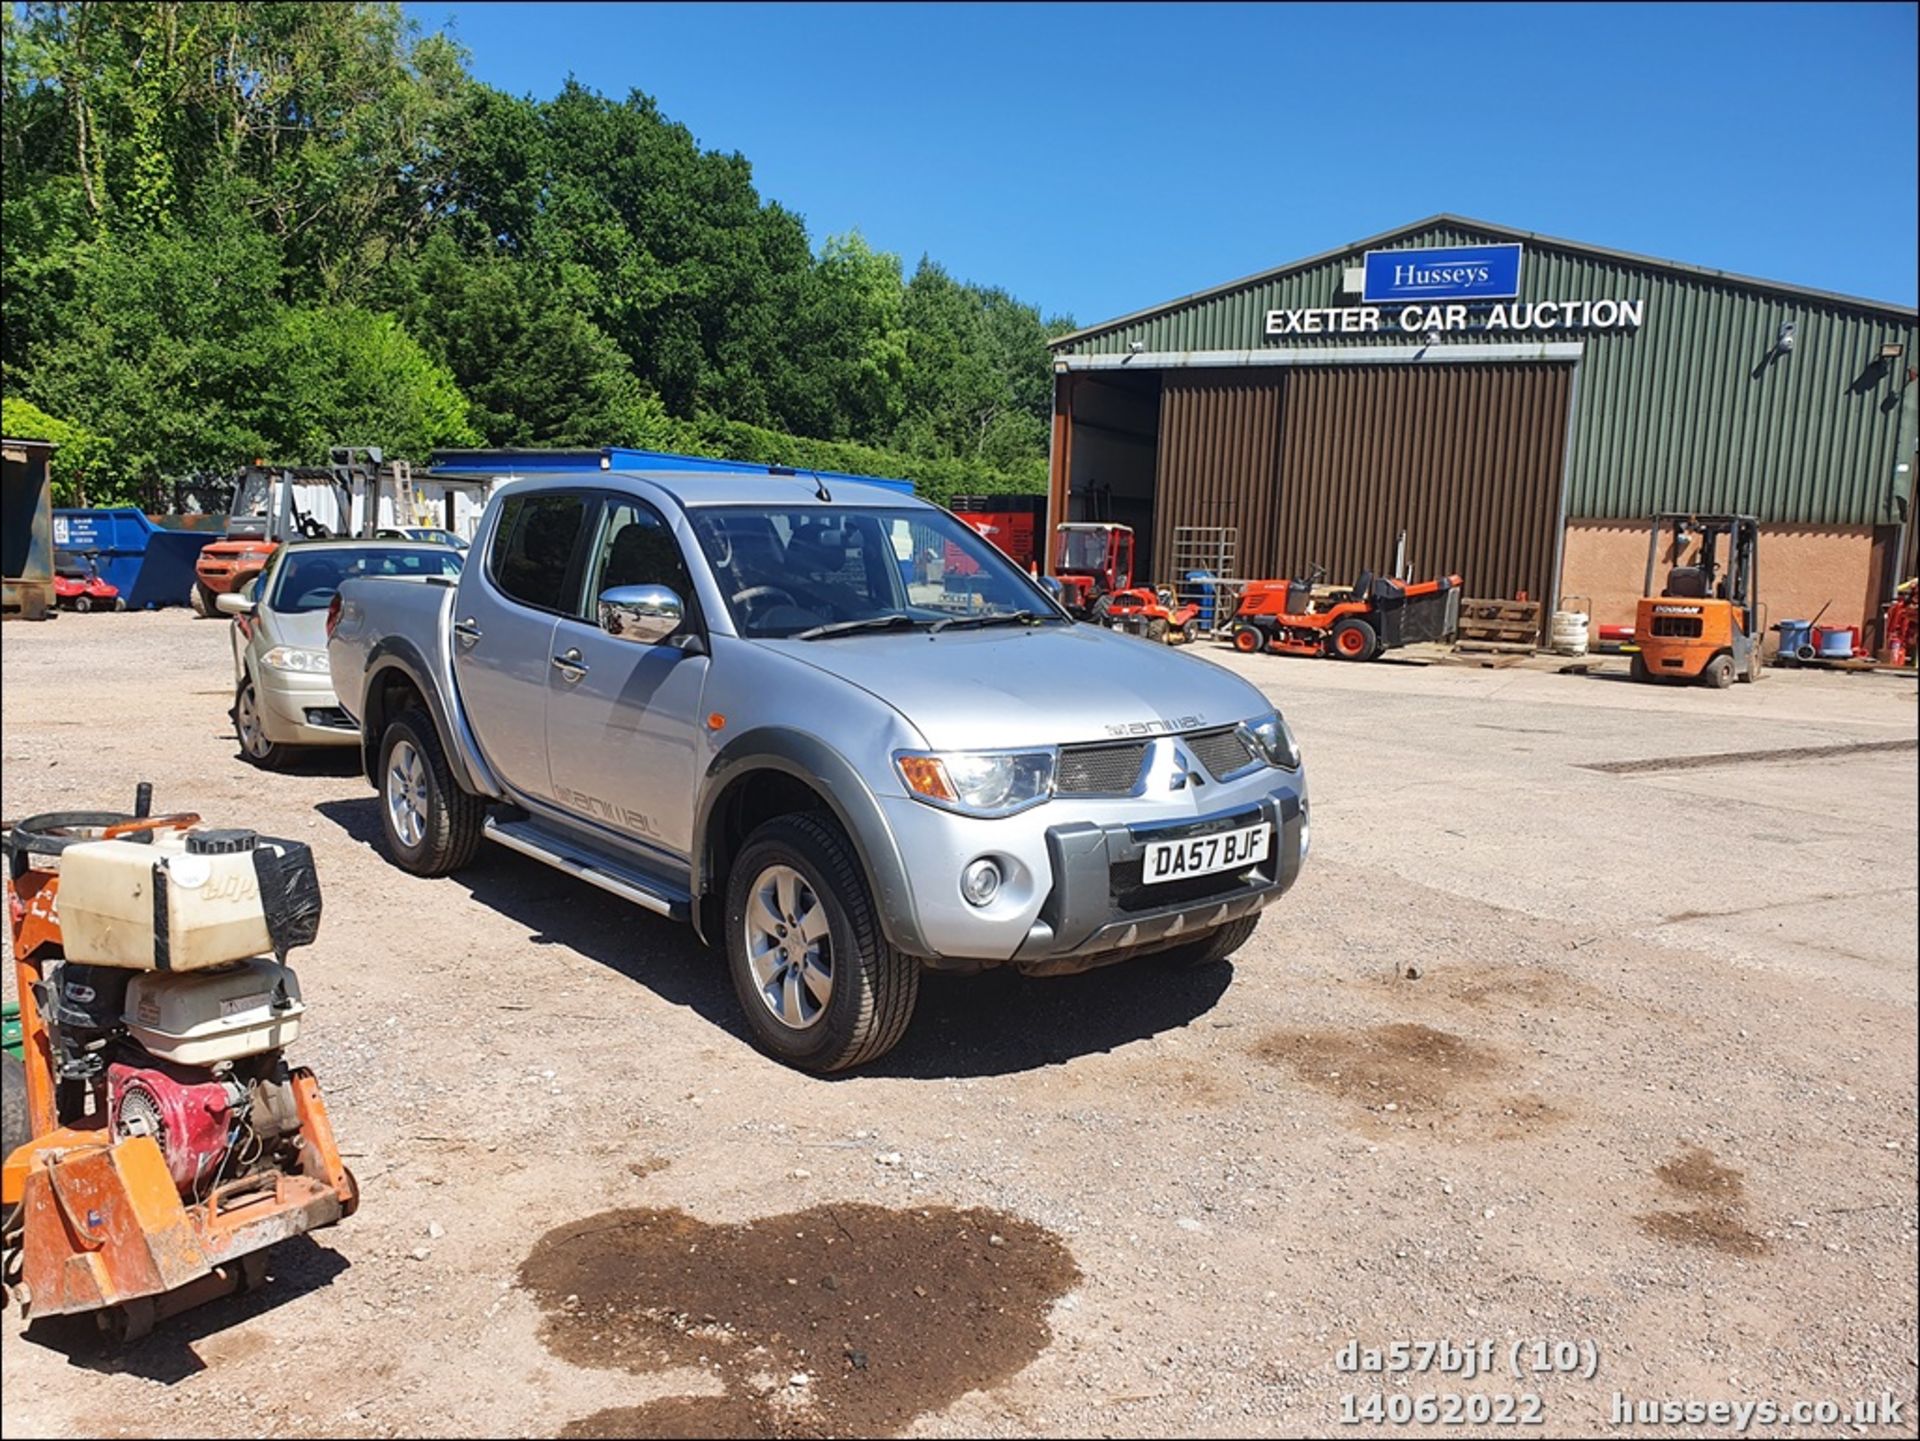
x,y
1219,455
1467,459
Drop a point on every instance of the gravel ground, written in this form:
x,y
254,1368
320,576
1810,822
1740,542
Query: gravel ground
x,y
1533,1050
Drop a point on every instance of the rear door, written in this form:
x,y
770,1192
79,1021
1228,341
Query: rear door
x,y
504,617
623,719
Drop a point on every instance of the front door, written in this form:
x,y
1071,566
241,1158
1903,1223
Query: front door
x,y
623,719
503,623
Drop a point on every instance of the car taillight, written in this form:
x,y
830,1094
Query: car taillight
x,y
333,615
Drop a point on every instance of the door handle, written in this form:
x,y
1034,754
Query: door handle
x,y
466,630
570,665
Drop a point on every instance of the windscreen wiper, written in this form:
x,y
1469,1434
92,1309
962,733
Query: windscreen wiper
x,y
996,617
848,627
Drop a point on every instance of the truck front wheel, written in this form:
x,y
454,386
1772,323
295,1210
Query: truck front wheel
x,y
432,827
1211,948
821,987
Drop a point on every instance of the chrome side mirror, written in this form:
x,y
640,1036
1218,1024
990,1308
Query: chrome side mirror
x,y
643,614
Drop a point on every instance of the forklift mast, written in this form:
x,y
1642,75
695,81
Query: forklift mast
x,y
1704,579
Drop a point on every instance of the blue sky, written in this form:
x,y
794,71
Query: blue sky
x,y
1094,159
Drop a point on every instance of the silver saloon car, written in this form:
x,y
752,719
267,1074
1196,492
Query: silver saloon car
x,y
283,697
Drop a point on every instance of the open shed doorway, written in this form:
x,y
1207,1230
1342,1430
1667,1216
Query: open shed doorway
x,y
1114,453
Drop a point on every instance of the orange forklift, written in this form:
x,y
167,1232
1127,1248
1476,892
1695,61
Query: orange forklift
x,y
1358,622
1701,624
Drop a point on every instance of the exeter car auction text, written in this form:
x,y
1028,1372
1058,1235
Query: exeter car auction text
x,y
1418,319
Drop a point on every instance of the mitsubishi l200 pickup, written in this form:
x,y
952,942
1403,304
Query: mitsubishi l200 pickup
x,y
837,732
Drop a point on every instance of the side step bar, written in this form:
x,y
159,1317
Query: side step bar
x,y
543,845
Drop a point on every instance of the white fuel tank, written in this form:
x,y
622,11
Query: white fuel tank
x,y
215,1015
181,902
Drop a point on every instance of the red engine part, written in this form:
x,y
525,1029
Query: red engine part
x,y
189,1116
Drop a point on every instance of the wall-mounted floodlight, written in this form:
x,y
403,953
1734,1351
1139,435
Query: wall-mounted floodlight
x,y
1136,347
1891,350
1784,342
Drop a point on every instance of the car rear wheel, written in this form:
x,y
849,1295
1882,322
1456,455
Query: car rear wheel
x,y
250,729
821,987
432,826
1212,948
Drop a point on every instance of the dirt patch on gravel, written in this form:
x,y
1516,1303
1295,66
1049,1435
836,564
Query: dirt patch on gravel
x,y
1403,1068
838,1320
1717,1224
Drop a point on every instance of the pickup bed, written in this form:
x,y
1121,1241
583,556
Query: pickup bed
x,y
838,733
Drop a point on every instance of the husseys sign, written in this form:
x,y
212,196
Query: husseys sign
x,y
1447,291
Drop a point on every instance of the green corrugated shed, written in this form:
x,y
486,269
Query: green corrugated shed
x,y
1688,412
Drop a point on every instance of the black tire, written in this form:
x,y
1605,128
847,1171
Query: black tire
x,y
1756,665
1719,672
200,599
257,750
1097,612
1190,632
451,820
1637,667
119,602
1248,639
873,986
83,603
1212,948
1157,630
15,1131
1354,639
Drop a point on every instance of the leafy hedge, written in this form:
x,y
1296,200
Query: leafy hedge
x,y
936,480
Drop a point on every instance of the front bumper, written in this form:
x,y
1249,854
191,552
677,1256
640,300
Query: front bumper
x,y
1072,896
1098,912
299,708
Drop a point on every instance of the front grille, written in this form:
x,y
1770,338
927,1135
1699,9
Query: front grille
x,y
1102,770
1222,752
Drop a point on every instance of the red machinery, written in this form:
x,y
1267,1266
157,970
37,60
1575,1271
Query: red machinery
x,y
1015,523
1092,560
79,587
156,1141
1154,614
1898,630
1372,615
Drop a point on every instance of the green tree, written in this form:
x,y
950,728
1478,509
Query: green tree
x,y
339,374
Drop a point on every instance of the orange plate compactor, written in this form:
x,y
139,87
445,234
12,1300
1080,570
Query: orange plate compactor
x,y
158,1142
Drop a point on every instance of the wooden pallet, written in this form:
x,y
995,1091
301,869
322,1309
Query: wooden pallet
x,y
1504,625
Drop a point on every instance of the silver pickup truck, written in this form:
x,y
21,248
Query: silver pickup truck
x,y
836,731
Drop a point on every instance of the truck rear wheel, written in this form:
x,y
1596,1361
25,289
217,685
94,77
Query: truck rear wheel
x,y
821,987
200,600
432,826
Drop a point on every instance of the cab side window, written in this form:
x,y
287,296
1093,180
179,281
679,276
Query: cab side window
x,y
533,548
636,548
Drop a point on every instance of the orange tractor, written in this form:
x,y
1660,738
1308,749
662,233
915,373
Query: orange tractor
x,y
1357,622
156,1141
1701,624
1092,560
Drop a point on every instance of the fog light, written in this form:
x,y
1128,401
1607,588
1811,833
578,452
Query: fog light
x,y
980,882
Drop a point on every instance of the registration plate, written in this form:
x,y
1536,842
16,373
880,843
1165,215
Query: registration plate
x,y
1205,855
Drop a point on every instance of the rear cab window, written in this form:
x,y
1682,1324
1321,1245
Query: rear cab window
x,y
533,557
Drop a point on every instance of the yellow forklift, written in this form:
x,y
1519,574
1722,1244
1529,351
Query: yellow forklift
x,y
1701,625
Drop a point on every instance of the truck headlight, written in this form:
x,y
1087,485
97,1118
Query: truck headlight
x,y
982,783
1274,741
288,657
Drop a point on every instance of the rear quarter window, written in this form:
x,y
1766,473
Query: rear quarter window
x,y
533,547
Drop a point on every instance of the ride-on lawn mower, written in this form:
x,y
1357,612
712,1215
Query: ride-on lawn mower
x,y
1154,614
77,584
1092,561
1372,615
156,1142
